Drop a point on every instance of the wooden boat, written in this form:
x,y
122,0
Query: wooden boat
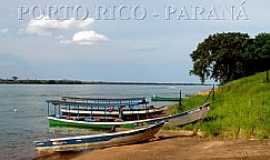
x,y
181,118
100,113
126,114
99,141
166,99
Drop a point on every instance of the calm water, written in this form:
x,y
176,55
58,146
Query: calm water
x,y
23,111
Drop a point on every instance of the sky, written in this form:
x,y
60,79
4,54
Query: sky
x,y
144,41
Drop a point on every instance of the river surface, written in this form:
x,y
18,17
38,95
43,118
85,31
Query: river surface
x,y
23,111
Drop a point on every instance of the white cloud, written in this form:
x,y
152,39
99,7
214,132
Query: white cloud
x,y
86,38
44,25
4,30
48,27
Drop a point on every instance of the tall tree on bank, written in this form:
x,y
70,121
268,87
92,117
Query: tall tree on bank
x,y
258,52
219,57
262,50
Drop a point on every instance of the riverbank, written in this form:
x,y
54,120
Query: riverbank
x,y
172,145
238,114
239,109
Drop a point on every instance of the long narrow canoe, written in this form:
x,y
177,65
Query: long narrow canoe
x,y
166,99
97,141
181,118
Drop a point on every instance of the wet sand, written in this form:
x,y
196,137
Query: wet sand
x,y
176,145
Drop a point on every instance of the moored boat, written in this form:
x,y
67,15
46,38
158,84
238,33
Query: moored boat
x,y
99,141
181,118
100,113
166,99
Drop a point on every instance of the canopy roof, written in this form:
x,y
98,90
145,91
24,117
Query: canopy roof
x,y
106,99
92,104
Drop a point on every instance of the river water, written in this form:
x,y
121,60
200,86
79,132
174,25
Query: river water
x,y
23,111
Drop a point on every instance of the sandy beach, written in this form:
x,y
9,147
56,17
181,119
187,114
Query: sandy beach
x,y
173,145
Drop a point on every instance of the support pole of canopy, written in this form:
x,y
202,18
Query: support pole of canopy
x,y
54,110
91,111
88,110
48,108
147,110
98,105
180,97
59,111
78,116
138,116
119,110
69,111
119,116
106,108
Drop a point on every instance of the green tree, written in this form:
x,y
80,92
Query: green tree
x,y
258,53
262,50
219,57
15,78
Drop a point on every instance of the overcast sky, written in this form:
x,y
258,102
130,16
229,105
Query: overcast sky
x,y
152,43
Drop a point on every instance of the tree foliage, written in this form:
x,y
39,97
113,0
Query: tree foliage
x,y
15,78
228,56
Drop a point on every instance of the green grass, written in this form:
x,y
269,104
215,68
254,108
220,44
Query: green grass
x,y
240,109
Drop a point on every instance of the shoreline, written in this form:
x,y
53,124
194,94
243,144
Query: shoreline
x,y
174,144
78,82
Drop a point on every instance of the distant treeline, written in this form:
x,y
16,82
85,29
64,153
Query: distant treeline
x,y
90,82
40,82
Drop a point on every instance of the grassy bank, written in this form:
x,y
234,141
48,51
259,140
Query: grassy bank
x,y
240,109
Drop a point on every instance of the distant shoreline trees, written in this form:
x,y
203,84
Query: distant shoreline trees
x,y
14,78
224,57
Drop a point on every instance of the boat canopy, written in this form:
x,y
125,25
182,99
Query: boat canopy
x,y
93,104
105,99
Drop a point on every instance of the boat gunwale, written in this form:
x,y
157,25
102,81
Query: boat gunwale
x,y
125,112
112,135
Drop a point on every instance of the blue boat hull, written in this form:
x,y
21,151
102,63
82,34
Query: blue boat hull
x,y
98,141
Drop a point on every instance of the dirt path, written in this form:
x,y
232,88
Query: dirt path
x,y
174,146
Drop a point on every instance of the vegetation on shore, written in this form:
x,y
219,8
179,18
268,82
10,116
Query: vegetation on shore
x,y
239,109
224,57
40,82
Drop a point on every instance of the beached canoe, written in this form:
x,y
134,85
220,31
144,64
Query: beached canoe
x,y
98,141
181,118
